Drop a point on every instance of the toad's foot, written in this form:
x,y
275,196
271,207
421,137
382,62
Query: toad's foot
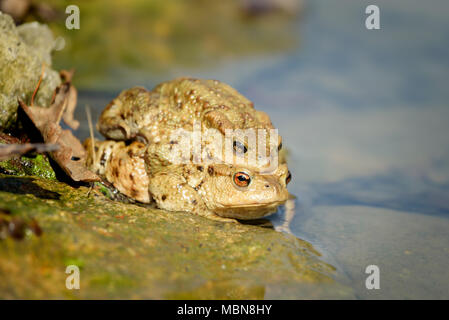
x,y
213,216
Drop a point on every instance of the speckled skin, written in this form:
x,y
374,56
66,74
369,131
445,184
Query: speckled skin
x,y
152,115
121,165
207,191
142,170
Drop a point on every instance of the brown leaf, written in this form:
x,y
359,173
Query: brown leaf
x,y
70,109
67,75
71,155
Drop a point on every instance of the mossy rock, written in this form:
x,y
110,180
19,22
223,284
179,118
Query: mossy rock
x,y
129,251
28,166
23,52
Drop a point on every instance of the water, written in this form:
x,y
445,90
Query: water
x,y
364,115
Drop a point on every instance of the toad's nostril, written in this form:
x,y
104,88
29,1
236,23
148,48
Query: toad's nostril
x,y
289,177
267,186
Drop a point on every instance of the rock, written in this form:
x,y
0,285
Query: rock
x,y
23,51
129,251
23,166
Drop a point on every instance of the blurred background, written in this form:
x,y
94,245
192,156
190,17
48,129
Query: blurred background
x,y
364,113
120,42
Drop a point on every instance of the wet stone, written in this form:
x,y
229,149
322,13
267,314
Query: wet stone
x,y
23,51
125,250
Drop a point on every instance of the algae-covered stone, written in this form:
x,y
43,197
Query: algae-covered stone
x,y
23,51
28,166
129,251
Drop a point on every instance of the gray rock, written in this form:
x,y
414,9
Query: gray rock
x,y
23,50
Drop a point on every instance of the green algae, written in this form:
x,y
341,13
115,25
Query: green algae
x,y
128,251
28,166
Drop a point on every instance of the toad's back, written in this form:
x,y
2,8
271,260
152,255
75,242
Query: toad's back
x,y
177,104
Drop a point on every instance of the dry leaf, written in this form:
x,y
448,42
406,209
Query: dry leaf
x,y
70,109
71,155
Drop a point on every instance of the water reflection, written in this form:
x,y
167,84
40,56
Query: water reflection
x,y
365,116
373,189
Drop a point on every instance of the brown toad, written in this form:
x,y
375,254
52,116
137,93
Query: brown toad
x,y
216,191
153,117
144,166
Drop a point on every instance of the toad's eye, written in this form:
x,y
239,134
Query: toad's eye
x,y
239,147
242,179
289,177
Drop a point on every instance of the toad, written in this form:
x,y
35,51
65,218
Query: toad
x,y
137,158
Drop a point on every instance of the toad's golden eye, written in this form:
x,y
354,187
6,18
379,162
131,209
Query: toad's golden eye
x,y
239,147
289,177
242,179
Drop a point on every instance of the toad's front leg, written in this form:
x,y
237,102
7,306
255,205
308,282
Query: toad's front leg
x,y
171,192
123,166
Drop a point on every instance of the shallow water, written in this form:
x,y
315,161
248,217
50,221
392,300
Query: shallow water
x,y
364,115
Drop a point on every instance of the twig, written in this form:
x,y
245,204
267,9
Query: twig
x,y
10,150
91,186
91,131
38,84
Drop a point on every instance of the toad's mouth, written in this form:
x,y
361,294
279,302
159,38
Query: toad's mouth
x,y
248,211
253,205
